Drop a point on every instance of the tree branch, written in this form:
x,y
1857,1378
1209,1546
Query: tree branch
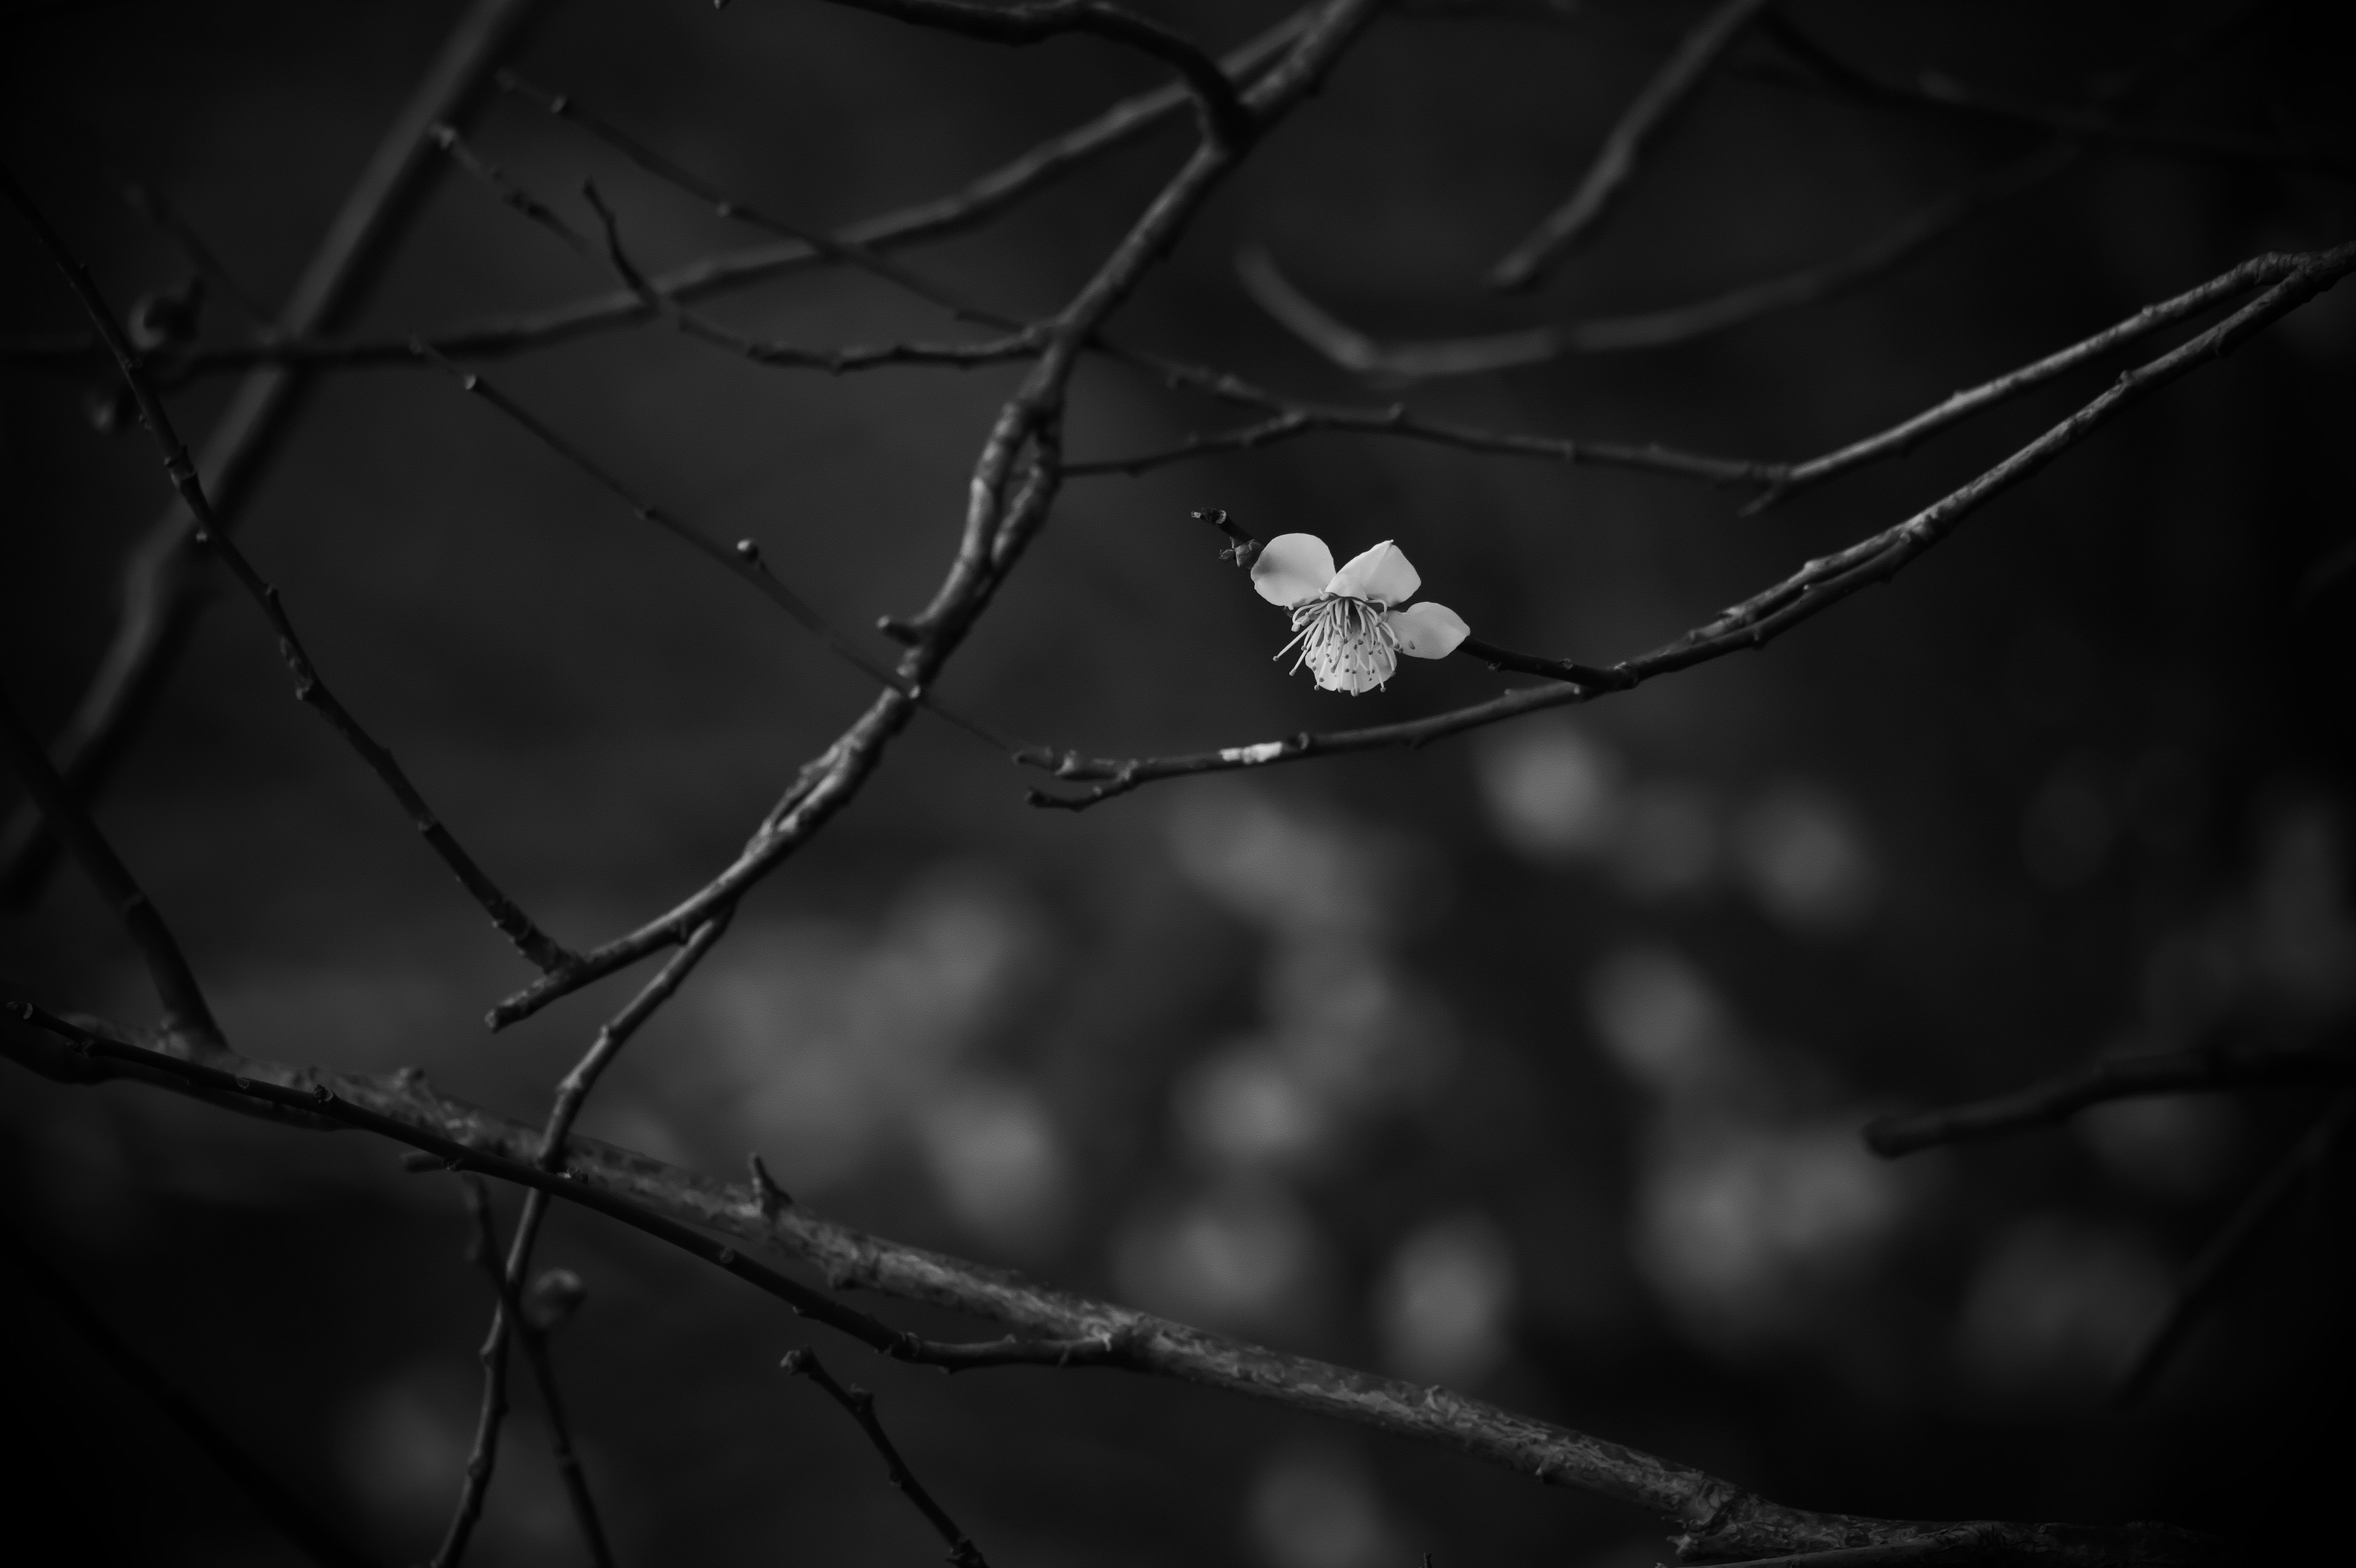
x,y
861,1406
971,205
2229,1247
571,1093
1944,97
742,560
505,914
486,1253
185,1012
1432,359
679,1207
1757,621
2056,1100
1020,345
161,580
848,251
1013,488
1671,89
1226,118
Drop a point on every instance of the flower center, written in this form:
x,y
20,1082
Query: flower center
x,y
1346,642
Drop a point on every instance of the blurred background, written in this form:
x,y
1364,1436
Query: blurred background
x,y
1532,1063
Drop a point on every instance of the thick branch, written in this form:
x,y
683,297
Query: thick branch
x,y
2114,1078
1670,90
1055,1329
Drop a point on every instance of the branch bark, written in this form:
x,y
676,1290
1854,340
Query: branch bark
x,y
210,533
1719,1520
1671,89
163,581
1758,619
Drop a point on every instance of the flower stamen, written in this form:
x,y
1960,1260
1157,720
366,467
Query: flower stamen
x,y
1346,643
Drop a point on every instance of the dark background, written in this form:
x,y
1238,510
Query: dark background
x,y
1531,1062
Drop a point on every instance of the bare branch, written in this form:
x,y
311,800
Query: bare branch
x,y
161,580
505,912
506,1316
849,252
861,1406
511,195
2230,1246
1013,488
1289,419
1022,345
1757,621
1776,481
1670,91
2114,1078
271,1496
679,1207
742,560
149,204
1430,359
488,1253
185,1012
971,205
1943,96
1226,118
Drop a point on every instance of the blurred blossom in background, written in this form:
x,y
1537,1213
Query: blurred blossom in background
x,y
1754,1198
2054,1308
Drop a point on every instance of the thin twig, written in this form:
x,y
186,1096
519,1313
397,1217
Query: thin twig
x,y
1020,345
1289,419
149,203
1756,621
742,560
1939,95
1427,359
977,202
1013,488
2229,1247
1056,1329
2114,1078
271,1496
1671,89
488,1253
850,252
511,194
163,587
506,913
185,1012
1227,117
861,1406
507,1318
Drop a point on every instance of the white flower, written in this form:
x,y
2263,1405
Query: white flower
x,y
1344,622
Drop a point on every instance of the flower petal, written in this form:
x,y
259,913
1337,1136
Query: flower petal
x,y
1381,573
1428,631
1293,569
